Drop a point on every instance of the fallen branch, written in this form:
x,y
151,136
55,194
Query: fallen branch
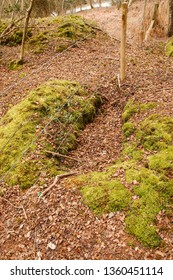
x,y
55,182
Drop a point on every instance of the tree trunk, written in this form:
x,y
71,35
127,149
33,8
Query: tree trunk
x,y
143,21
91,4
1,9
28,13
170,27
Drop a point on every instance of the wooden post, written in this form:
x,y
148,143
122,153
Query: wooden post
x,y
123,41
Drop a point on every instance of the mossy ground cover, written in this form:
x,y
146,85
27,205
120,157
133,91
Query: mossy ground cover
x,y
50,118
147,164
169,48
61,31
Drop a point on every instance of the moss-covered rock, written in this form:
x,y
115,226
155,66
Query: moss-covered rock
x,y
169,48
49,118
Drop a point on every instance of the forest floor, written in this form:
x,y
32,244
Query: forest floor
x,y
60,226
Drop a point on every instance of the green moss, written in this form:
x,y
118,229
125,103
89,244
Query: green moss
x,y
14,38
129,110
66,106
15,65
39,42
128,129
162,161
155,132
103,195
62,31
73,27
132,108
145,167
169,48
140,225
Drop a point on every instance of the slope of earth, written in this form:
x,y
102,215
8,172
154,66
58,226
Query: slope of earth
x,y
59,225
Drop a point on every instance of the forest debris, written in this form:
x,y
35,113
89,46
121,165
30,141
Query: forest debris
x,y
55,182
51,246
61,155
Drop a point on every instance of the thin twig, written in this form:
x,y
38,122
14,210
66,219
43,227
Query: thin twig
x,y
60,155
55,182
118,79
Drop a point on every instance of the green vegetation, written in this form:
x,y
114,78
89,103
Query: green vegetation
x,y
169,48
103,194
146,165
15,64
49,118
63,31
14,37
128,129
132,108
155,132
60,31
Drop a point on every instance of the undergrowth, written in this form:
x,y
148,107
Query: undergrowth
x,y
49,119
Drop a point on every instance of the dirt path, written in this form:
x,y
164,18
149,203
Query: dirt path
x,y
29,226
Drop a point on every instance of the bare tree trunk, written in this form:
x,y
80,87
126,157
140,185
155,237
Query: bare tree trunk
x,y
62,7
154,19
143,20
91,4
170,27
22,5
1,9
130,3
28,13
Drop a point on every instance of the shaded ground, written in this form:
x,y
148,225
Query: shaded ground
x,y
28,226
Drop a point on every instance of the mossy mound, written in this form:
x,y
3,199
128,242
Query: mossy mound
x,y
50,118
146,166
103,194
169,48
155,132
59,32
63,31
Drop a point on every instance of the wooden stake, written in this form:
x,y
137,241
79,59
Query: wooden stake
x,y
123,41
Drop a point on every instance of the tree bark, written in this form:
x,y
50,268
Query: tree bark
x,y
28,13
91,4
1,9
170,26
